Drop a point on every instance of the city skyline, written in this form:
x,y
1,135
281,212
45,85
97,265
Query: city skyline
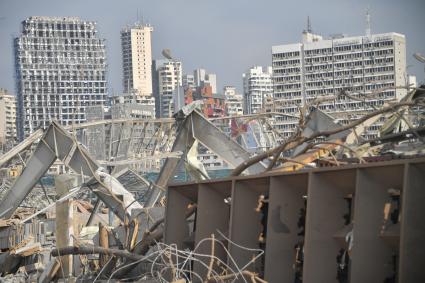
x,y
228,37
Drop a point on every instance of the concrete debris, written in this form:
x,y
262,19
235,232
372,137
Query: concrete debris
x,y
19,277
91,223
37,199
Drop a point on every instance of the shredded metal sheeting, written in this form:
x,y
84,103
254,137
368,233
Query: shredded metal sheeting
x,y
135,184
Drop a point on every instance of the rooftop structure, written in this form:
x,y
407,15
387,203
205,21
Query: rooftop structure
x,y
141,106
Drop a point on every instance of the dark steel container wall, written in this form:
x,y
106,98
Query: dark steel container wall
x,y
326,189
245,221
412,236
286,201
325,210
176,228
212,214
372,255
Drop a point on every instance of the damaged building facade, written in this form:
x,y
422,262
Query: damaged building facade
x,y
318,67
60,70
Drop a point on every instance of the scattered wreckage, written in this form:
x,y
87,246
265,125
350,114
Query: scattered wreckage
x,y
359,216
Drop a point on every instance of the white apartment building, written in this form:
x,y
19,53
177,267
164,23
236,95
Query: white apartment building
x,y
60,69
168,80
257,86
201,78
233,101
188,81
7,119
136,47
319,67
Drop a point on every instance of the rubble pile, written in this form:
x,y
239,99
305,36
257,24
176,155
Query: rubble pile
x,y
110,223
37,198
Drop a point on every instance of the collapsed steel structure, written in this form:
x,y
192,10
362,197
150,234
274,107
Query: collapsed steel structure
x,y
57,143
250,223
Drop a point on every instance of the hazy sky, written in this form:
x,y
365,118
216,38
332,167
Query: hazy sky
x,y
223,36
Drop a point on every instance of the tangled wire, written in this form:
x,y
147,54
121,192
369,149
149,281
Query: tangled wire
x,y
171,262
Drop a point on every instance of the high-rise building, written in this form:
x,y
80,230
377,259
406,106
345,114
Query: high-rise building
x,y
202,78
257,87
233,101
199,76
7,119
167,81
137,59
189,82
60,70
210,79
369,67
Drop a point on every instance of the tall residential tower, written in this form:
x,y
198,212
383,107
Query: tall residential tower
x,y
60,67
167,86
137,59
257,87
